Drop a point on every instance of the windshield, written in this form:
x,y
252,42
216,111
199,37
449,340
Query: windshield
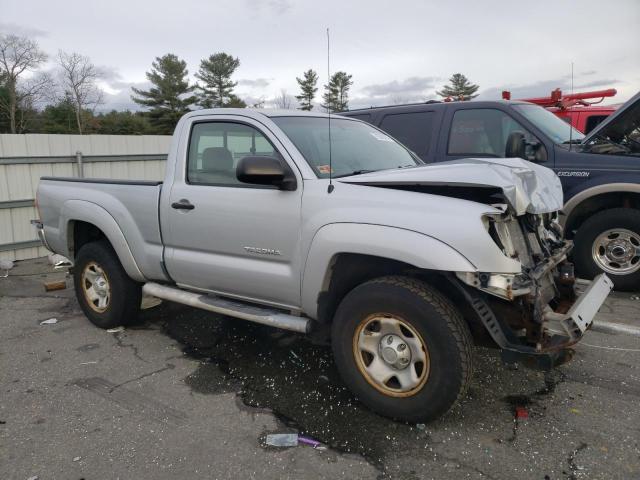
x,y
556,129
356,147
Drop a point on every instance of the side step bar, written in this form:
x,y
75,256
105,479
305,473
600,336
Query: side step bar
x,y
233,308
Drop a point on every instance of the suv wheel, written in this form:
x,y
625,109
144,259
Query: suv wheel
x,y
402,348
106,294
609,242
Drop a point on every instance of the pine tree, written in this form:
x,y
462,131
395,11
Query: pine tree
x,y
460,88
308,89
215,74
336,95
168,98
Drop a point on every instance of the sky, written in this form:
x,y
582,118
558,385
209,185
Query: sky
x,y
397,52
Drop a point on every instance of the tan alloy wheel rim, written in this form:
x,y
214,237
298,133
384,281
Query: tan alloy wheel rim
x,y
391,355
96,287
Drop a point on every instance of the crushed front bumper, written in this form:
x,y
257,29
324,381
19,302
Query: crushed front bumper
x,y
581,314
557,329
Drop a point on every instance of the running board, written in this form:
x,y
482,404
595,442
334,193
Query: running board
x,y
233,308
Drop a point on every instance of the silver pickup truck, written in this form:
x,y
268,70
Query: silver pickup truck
x,y
403,265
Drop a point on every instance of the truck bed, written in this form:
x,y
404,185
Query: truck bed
x,y
128,209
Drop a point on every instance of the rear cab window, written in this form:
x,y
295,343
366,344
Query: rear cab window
x,y
413,129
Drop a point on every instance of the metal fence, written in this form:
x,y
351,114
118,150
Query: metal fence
x,y
26,158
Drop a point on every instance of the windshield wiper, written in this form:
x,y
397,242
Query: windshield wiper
x,y
572,141
355,172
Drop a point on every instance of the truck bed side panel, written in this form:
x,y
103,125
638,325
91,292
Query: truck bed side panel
x,y
133,207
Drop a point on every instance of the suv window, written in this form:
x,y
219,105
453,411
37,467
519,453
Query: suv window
x,y
215,148
482,132
411,129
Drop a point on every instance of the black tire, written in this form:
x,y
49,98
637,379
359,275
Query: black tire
x,y
125,294
444,332
587,234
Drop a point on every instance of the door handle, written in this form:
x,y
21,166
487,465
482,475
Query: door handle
x,y
183,204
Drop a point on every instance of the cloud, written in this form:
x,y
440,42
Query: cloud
x,y
598,83
278,7
22,31
409,86
121,99
542,88
254,83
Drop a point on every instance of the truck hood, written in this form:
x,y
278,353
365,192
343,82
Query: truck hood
x,y
525,186
620,124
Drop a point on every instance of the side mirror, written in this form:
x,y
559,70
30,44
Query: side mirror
x,y
516,145
259,170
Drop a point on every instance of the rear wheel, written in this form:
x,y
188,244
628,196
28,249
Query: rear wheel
x,y
609,242
402,348
106,294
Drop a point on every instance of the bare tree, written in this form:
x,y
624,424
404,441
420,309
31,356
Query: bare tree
x,y
17,56
79,79
31,94
283,100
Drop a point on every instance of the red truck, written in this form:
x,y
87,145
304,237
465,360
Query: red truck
x,y
574,108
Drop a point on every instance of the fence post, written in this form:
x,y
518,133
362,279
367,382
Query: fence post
x,y
79,162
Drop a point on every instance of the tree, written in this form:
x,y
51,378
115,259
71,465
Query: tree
x,y
78,78
336,95
308,89
215,74
168,98
460,88
283,100
235,102
122,123
17,56
59,118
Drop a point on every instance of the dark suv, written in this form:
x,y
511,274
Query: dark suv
x,y
600,173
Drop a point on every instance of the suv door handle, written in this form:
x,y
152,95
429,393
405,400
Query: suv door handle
x,y
183,204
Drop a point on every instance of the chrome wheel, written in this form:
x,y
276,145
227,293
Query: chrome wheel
x,y
96,287
391,355
617,251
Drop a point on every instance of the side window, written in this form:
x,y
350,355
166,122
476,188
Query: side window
x,y
215,148
482,132
411,129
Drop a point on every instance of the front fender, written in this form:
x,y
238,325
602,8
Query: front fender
x,y
81,210
402,245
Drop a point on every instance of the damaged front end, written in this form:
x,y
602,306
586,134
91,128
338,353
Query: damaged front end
x,y
534,316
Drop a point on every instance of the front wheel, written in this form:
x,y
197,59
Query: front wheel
x,y
609,242
107,295
402,348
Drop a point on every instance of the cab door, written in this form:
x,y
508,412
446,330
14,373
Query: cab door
x,y
229,237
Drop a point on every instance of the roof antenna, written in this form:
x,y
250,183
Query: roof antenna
x,y
571,126
330,187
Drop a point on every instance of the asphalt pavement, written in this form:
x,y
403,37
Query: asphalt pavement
x,y
189,394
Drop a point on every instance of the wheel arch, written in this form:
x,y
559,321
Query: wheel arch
x,y
595,199
342,256
83,221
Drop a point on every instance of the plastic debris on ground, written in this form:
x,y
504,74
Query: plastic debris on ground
x,y
292,440
35,477
635,297
77,459
522,413
420,426
282,439
309,441
49,321
5,266
116,330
